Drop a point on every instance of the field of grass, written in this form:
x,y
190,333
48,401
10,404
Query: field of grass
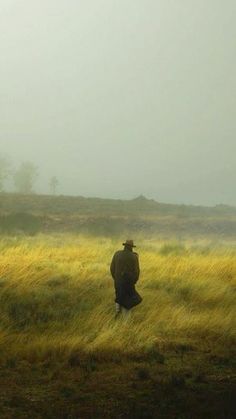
x,y
64,355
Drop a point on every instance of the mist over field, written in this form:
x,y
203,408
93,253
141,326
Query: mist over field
x,y
121,98
117,128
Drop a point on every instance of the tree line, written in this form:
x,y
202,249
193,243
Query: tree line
x,y
23,177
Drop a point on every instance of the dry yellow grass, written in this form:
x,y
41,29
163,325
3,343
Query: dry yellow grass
x,y
57,297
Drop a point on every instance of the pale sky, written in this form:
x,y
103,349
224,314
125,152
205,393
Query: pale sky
x,y
122,97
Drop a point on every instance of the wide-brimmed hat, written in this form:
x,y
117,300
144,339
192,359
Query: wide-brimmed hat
x,y
129,243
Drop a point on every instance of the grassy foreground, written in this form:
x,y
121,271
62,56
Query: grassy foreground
x,y
64,355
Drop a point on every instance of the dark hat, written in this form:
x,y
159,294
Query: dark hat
x,y
129,243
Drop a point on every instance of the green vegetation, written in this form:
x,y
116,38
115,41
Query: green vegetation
x,y
104,217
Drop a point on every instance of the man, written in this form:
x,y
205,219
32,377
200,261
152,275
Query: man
x,y
125,272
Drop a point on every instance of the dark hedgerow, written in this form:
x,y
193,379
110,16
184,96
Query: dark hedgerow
x,y
20,222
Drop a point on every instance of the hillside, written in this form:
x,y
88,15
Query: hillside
x,y
48,204
33,213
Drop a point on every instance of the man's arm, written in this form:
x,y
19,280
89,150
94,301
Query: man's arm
x,y
137,268
112,267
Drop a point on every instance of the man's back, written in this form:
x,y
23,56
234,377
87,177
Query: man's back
x,y
125,272
125,263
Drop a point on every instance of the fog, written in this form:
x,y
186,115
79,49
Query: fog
x,y
122,97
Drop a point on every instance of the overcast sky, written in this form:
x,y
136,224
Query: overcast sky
x,y
122,97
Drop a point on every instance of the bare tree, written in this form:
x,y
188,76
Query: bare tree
x,y
25,177
54,182
5,170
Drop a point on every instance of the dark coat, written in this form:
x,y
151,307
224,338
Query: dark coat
x,y
125,272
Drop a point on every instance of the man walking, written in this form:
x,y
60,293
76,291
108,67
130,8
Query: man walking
x,y
125,272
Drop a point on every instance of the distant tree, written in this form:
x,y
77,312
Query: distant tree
x,y
5,169
25,177
54,182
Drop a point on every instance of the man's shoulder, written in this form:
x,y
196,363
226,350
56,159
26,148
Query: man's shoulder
x,y
124,254
118,253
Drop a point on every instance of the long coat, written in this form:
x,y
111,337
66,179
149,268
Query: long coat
x,y
125,272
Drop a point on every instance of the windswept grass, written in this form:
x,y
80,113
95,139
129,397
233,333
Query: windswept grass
x,y
57,305
60,290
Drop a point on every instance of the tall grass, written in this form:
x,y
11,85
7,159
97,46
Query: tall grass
x,y
57,298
